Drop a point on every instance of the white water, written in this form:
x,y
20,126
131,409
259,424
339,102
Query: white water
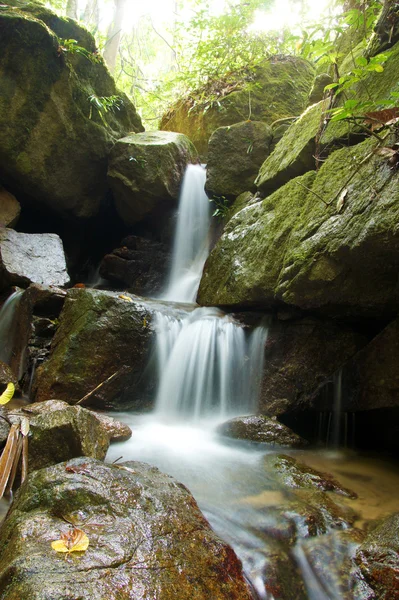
x,y
191,245
7,314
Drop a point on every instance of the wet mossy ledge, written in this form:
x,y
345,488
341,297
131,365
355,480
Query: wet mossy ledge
x,y
54,142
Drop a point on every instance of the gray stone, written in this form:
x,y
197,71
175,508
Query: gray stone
x,y
145,172
260,428
27,258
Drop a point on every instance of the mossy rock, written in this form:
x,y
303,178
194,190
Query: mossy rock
x,y
145,172
147,538
235,154
261,429
313,245
278,88
100,336
53,142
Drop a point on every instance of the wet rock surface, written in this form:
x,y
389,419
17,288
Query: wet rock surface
x,y
294,474
60,432
259,428
102,338
147,537
31,258
145,172
116,430
235,154
378,558
139,264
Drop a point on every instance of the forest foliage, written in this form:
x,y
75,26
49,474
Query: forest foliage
x,y
200,53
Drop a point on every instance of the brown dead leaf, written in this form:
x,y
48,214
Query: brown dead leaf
x,y
75,540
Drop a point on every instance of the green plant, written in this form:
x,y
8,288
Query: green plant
x,y
103,105
221,204
71,47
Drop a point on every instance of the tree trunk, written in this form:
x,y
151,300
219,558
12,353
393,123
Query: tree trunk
x,y
114,35
386,30
72,9
91,15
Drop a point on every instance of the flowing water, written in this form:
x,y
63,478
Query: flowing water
x,y
191,245
209,369
7,322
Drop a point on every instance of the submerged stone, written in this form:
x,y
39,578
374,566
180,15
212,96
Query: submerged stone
x,y
145,172
27,258
147,538
259,428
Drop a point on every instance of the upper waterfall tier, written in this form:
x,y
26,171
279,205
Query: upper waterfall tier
x,y
191,246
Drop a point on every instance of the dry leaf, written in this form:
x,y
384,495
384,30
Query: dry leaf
x,y
127,298
378,118
25,426
79,469
341,200
7,394
385,152
74,540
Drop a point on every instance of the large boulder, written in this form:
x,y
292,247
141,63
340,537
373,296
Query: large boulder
x,y
145,172
27,258
54,135
235,154
327,241
103,338
139,264
278,88
147,538
10,209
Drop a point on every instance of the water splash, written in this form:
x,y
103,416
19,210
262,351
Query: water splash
x,y
7,324
207,365
191,246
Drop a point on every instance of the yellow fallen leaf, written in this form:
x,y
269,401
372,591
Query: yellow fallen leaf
x,y
7,394
127,298
144,322
74,541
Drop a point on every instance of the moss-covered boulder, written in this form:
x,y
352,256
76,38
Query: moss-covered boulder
x,y
294,154
278,88
145,172
61,432
147,538
259,428
378,558
54,138
234,156
102,338
10,209
326,241
27,258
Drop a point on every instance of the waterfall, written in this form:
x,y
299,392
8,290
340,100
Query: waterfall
x,y
7,314
208,365
191,244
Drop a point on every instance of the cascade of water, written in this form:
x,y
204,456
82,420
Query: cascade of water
x,y
7,314
207,365
191,245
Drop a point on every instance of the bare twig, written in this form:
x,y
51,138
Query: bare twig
x,y
98,387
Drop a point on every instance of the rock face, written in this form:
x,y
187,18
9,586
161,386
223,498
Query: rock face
x,y
139,264
378,559
339,256
145,172
53,142
61,432
147,538
101,336
9,208
298,361
282,86
235,154
258,428
27,258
